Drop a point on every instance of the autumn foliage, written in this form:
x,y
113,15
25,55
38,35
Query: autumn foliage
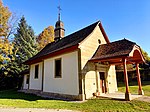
x,y
47,36
4,17
5,46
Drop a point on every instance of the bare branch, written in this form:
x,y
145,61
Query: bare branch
x,y
12,26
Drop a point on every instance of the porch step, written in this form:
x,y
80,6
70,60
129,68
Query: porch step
x,y
118,96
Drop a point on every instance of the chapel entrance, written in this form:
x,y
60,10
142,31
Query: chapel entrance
x,y
102,82
122,52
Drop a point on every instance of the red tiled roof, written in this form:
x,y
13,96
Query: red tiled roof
x,y
114,49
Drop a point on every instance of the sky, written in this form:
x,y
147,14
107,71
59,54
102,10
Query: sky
x,y
128,19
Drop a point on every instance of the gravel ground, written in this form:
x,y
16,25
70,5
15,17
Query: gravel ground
x,y
144,98
33,110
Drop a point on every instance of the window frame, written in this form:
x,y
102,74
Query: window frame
x,y
36,71
60,68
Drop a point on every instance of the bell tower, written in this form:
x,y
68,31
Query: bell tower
x,y
59,27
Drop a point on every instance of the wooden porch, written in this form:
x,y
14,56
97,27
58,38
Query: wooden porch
x,y
121,52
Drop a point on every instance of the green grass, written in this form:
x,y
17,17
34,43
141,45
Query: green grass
x,y
11,98
134,88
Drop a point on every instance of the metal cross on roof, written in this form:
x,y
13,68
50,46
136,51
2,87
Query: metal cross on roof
x,y
59,9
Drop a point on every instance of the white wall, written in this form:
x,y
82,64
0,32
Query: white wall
x,y
112,81
90,84
68,84
35,84
25,86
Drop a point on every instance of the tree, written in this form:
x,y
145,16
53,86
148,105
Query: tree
x,y
146,56
5,52
4,17
24,48
5,46
147,60
47,36
24,44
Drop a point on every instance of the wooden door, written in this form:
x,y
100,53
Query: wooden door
x,y
102,82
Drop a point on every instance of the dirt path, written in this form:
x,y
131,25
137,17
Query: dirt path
x,y
33,110
144,98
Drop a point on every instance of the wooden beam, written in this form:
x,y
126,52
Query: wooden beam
x,y
140,91
127,94
108,59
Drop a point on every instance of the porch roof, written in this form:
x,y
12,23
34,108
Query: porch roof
x,y
114,52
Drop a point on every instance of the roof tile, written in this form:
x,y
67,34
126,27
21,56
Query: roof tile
x,y
114,49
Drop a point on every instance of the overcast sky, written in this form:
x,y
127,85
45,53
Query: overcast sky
x,y
128,19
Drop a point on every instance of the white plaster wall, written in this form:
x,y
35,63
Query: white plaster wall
x,y
90,84
25,86
112,81
35,84
68,84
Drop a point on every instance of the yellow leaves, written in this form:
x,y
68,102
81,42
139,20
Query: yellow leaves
x,y
5,46
1,58
47,36
5,50
4,17
146,56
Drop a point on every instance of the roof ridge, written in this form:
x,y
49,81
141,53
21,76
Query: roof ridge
x,y
95,23
124,39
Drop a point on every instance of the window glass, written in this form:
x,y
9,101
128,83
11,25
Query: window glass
x,y
57,68
27,80
36,71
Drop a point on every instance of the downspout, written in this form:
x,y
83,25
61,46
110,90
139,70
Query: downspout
x,y
42,76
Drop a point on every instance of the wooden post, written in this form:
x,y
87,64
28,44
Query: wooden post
x,y
127,93
140,91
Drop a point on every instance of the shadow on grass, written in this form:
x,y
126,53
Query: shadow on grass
x,y
111,99
13,94
133,83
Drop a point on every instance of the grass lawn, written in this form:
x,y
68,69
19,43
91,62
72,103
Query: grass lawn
x,y
134,88
11,98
